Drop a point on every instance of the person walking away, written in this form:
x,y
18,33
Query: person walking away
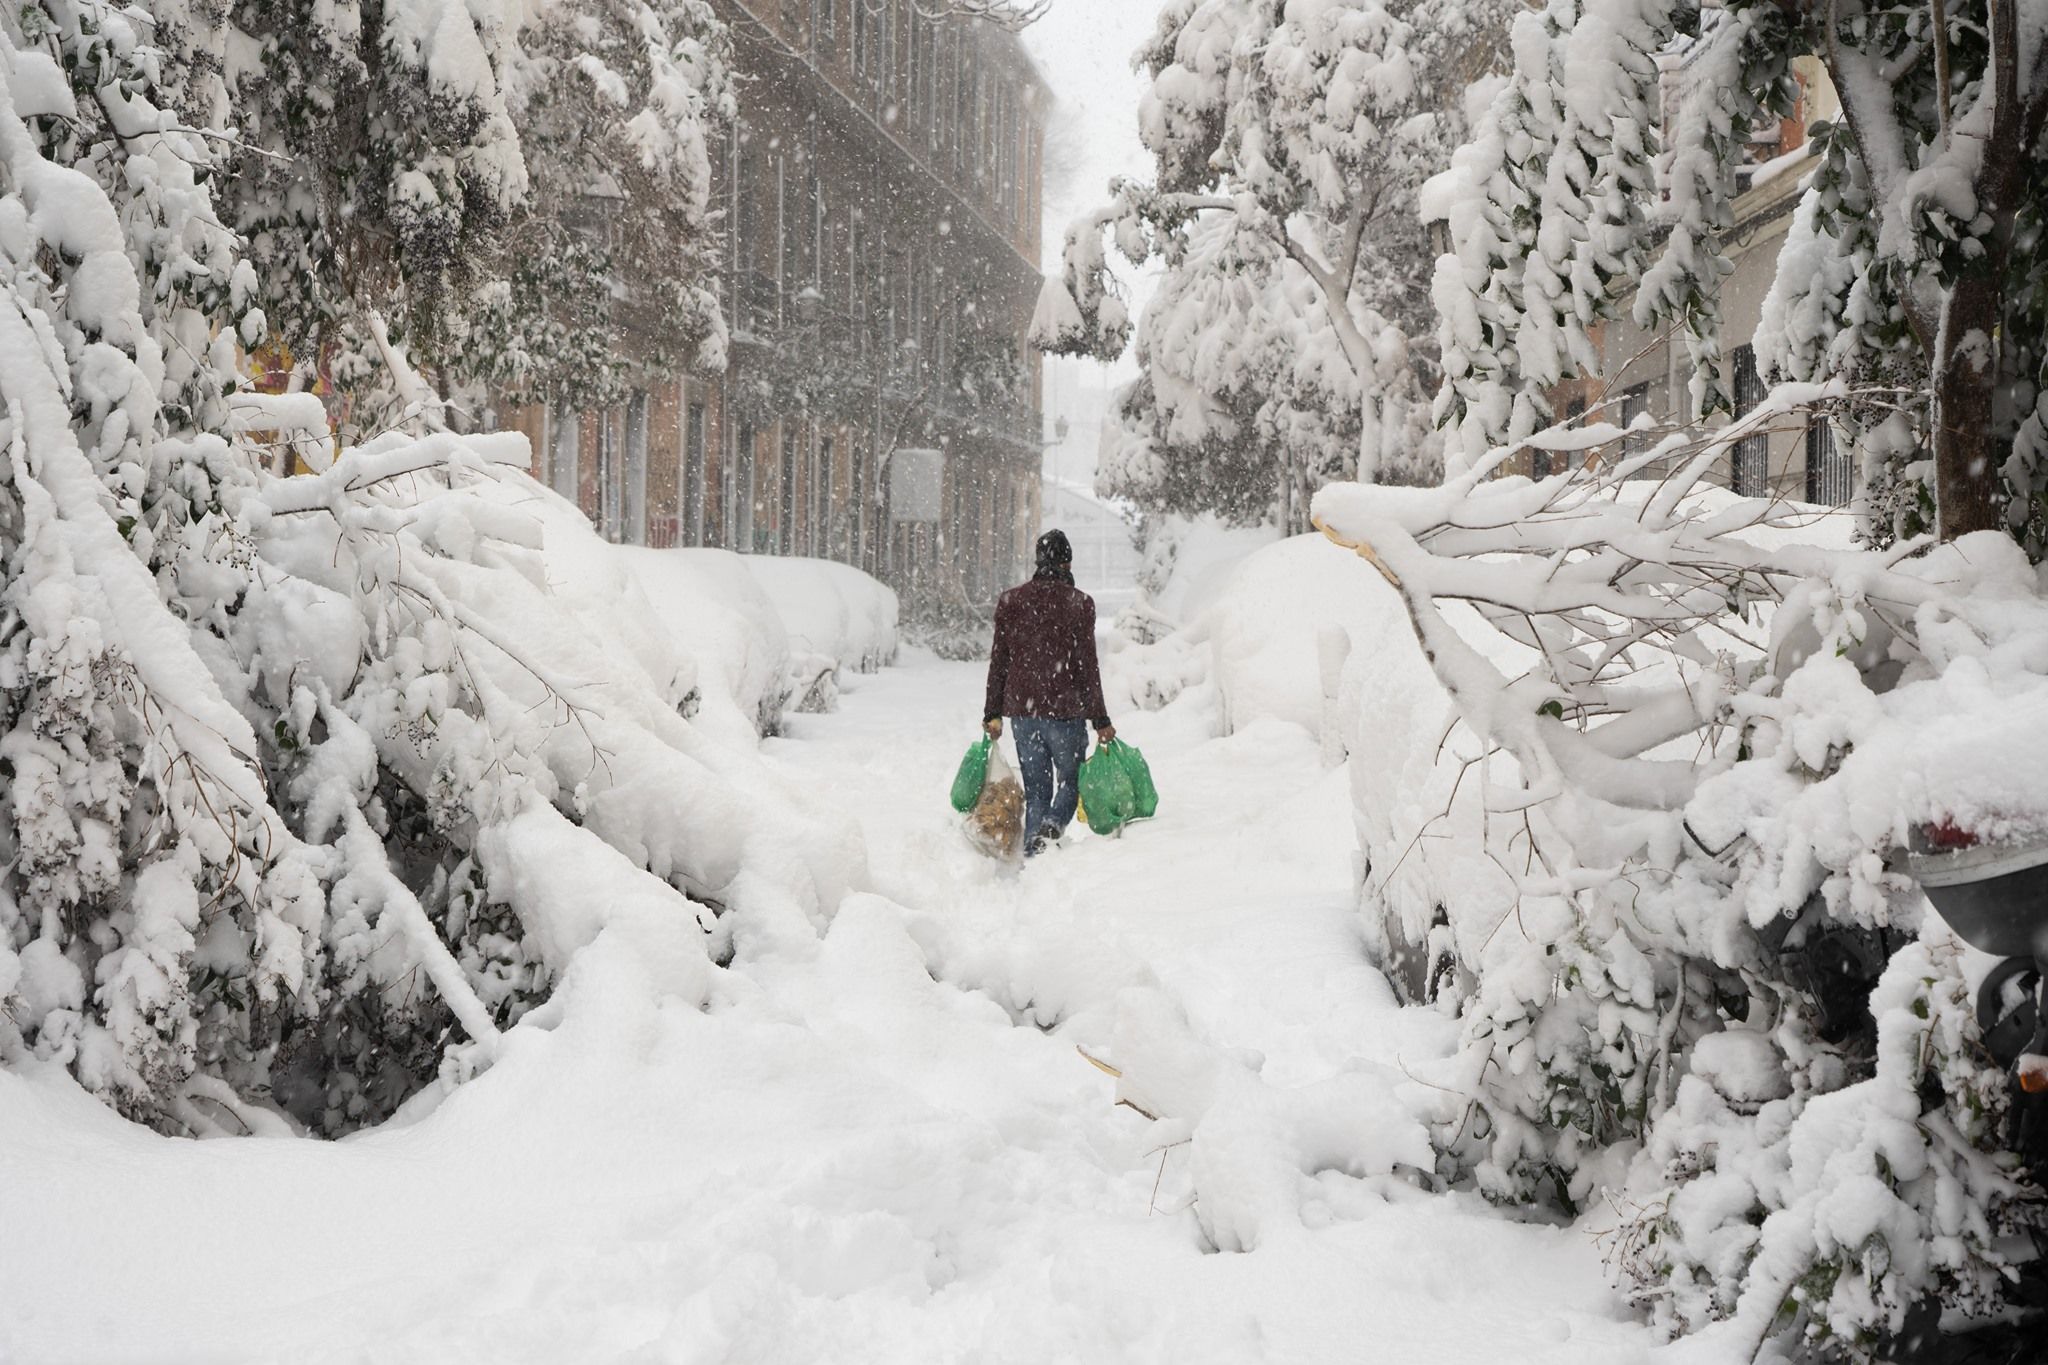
x,y
1043,675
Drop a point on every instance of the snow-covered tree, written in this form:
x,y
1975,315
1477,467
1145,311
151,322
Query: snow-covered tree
x,y
137,827
1676,882
1290,329
1913,266
374,164
482,181
1242,386
265,738
618,105
1549,206
1664,906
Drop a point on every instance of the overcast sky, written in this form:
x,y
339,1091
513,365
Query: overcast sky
x,y
1084,48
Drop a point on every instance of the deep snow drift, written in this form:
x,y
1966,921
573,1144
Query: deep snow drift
x,y
874,1143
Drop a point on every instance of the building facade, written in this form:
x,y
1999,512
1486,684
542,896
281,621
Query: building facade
x,y
881,201
1648,371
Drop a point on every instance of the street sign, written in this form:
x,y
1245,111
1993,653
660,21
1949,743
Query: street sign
x,y
917,483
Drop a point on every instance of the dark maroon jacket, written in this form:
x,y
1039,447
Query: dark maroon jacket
x,y
1043,663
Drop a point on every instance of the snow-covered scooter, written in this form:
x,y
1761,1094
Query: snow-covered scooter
x,y
1994,894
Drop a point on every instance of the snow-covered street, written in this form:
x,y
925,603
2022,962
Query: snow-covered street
x,y
879,1145
512,513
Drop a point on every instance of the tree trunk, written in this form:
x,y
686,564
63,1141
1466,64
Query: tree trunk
x,y
1967,449
1966,458
1370,432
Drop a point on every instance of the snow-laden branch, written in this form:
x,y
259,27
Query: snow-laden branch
x,y
1610,571
364,467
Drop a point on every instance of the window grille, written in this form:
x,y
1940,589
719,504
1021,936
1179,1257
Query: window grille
x,y
1829,478
1752,454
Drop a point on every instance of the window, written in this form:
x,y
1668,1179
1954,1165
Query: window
x,y
913,34
1027,181
744,193
611,478
999,521
1752,455
1544,463
857,281
740,501
857,516
828,17
785,511
885,50
819,260
963,87
902,317
913,309
1634,403
635,527
691,491
838,268
820,500
863,38
975,531
732,224
1005,182
978,137
928,92
991,103
783,245
994,156
1829,478
885,301
566,445
900,39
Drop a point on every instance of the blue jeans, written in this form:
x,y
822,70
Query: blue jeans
x,y
1049,752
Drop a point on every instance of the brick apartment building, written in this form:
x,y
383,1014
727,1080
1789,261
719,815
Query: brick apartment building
x,y
881,200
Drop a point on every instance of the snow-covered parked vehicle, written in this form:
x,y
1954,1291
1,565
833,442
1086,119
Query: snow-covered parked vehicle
x,y
775,632
835,616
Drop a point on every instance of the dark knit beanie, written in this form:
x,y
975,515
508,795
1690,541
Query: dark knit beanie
x,y
1054,551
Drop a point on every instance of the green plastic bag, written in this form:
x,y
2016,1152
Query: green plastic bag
x,y
1106,793
1144,796
973,772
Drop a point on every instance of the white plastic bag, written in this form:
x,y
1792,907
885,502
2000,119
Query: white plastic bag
x,y
996,824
